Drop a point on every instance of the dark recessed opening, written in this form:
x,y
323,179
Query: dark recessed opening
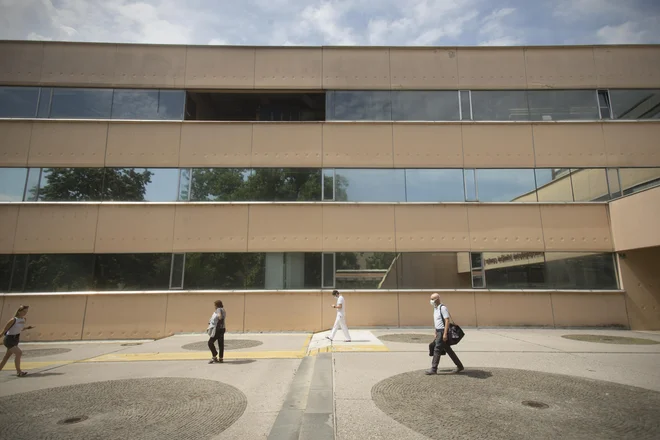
x,y
534,404
72,420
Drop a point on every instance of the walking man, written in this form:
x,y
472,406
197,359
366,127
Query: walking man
x,y
341,317
441,321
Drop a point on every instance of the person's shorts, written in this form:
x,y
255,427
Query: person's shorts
x,y
11,341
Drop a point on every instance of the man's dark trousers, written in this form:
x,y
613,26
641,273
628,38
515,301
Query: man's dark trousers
x,y
441,346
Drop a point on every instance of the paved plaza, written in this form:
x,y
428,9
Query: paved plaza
x,y
518,384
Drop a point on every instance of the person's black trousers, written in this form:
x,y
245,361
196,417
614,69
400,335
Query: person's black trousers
x,y
440,347
220,337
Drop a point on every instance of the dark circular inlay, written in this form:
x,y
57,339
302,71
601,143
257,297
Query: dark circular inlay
x,y
607,339
131,344
41,352
486,404
411,338
230,344
150,408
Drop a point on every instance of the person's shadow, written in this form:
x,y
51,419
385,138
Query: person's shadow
x,y
468,372
238,361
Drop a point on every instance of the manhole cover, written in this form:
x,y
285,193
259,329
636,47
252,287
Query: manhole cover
x,y
41,352
230,344
486,404
411,338
150,408
607,339
131,344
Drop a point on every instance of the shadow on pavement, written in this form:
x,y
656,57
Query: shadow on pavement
x,y
474,374
239,361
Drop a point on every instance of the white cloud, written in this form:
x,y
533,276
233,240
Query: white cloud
x,y
218,42
625,33
496,32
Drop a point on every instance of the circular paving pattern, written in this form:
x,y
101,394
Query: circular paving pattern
x,y
412,338
40,352
230,344
154,408
517,404
605,339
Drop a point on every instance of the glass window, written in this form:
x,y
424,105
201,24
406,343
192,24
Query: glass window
x,y
466,105
492,105
71,184
328,270
81,103
431,270
284,184
141,184
506,185
370,185
563,105
604,104
434,185
216,271
613,182
328,184
365,270
219,184
638,179
6,264
45,97
635,104
470,184
185,175
590,185
177,271
32,185
425,106
292,270
133,271
553,185
514,270
170,104
581,271
12,184
359,106
148,104
54,273
18,102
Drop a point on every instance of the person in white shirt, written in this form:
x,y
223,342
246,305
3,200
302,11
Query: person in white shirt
x,y
12,335
441,322
341,317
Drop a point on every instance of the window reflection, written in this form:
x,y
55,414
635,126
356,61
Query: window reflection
x,y
590,185
32,185
635,104
148,104
563,105
53,273
141,184
425,106
496,105
328,270
370,185
434,185
359,106
505,185
514,270
432,270
81,103
71,184
45,98
133,271
12,184
220,271
219,184
292,270
580,271
328,184
638,179
18,102
284,184
365,270
6,264
553,185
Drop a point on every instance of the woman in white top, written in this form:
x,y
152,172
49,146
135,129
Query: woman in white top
x,y
216,331
12,335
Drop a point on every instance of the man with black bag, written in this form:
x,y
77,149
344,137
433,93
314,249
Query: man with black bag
x,y
441,320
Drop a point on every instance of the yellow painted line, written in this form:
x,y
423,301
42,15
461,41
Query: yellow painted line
x,y
135,357
348,348
306,344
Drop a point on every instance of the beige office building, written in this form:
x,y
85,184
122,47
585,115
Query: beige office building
x,y
139,183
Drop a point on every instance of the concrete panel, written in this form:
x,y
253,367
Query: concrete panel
x,y
355,145
56,229
21,62
640,278
68,144
498,145
150,65
285,145
135,228
364,309
282,311
632,145
431,228
143,145
14,142
423,68
215,144
569,145
627,67
129,316
285,228
576,228
54,317
560,67
514,309
358,228
414,309
79,64
288,68
8,220
220,67
427,146
353,68
587,309
500,228
189,312
500,68
211,228
635,220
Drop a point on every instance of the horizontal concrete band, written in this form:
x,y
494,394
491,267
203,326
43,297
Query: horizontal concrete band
x,y
52,63
136,316
174,144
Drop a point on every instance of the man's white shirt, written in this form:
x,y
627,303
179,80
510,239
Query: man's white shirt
x,y
340,301
440,313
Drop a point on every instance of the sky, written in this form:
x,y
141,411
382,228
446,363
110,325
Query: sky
x,y
334,22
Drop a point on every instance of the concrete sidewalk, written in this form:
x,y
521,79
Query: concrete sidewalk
x,y
303,386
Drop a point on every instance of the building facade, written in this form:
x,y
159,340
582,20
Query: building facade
x,y
139,183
